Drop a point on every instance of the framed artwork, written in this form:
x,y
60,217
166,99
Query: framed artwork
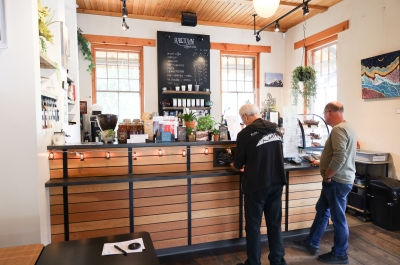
x,y
3,36
273,80
380,76
223,157
83,107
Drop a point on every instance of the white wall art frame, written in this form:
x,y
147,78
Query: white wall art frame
x,y
3,36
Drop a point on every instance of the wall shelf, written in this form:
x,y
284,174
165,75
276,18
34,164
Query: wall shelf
x,y
186,92
71,102
191,108
46,63
69,79
48,95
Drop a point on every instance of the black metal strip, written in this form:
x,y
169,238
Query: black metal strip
x,y
287,203
188,158
240,206
189,198
131,205
65,196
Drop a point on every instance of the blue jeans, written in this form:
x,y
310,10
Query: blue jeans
x,y
269,202
332,201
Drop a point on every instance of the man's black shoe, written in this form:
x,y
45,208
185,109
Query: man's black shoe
x,y
304,245
333,259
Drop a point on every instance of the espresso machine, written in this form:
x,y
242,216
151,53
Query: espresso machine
x,y
94,126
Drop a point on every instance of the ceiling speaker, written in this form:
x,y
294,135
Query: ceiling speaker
x,y
189,19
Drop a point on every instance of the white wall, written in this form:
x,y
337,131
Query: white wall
x,y
21,185
111,26
372,31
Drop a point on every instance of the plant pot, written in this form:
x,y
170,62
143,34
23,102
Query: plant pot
x,y
201,136
216,137
190,124
191,137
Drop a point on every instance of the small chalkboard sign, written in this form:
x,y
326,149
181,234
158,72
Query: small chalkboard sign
x,y
223,156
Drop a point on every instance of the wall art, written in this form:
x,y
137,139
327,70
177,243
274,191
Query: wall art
x,y
273,80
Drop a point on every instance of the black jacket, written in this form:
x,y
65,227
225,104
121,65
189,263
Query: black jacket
x,y
259,148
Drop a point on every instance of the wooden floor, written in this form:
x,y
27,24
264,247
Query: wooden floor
x,y
368,244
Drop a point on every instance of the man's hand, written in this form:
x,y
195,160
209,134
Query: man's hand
x,y
235,169
315,163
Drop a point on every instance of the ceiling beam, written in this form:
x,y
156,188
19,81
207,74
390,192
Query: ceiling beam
x,y
176,20
281,3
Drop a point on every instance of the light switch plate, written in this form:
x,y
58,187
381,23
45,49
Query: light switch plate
x,y
397,111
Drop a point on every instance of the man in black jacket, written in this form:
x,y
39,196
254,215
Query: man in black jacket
x,y
259,155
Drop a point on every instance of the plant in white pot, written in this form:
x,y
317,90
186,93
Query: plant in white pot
x,y
307,75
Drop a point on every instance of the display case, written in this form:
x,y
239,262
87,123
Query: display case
x,y
312,131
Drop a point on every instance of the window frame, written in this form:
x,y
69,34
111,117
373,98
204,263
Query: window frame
x,y
116,48
309,58
256,67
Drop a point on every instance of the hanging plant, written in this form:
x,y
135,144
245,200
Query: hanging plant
x,y
84,47
45,17
307,75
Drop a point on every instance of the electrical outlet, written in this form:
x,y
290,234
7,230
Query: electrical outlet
x,y
397,111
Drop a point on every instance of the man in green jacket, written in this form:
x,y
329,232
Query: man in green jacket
x,y
337,167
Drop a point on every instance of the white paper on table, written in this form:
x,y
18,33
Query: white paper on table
x,y
109,249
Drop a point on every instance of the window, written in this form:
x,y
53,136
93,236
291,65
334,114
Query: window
x,y
237,83
118,82
323,59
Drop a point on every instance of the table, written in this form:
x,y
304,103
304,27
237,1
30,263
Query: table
x,y
88,251
27,254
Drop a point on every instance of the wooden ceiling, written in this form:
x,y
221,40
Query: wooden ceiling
x,y
222,13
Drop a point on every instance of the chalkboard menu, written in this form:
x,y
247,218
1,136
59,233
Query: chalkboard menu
x,y
183,60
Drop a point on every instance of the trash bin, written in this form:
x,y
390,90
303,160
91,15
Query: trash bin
x,y
385,202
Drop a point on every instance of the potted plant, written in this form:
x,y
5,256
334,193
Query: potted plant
x,y
190,134
189,118
216,135
108,135
204,124
45,19
307,75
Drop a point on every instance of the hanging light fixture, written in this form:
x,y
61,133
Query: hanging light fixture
x,y
277,26
265,8
124,25
305,9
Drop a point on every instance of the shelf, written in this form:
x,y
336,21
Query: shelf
x,y
372,163
48,95
191,108
71,102
186,92
69,79
46,63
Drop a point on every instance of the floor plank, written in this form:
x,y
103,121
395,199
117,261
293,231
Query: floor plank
x,y
368,245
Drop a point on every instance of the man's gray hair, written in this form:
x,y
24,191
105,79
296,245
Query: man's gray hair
x,y
334,107
249,110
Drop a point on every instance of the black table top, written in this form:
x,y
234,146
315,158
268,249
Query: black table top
x,y
88,251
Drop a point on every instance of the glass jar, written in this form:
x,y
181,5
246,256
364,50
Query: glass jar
x,y
122,133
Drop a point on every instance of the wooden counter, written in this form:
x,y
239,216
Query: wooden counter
x,y
180,200
27,254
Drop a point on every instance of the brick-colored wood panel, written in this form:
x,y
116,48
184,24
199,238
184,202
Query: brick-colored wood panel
x,y
98,233
154,210
234,227
301,217
303,194
215,204
304,179
165,235
90,188
218,195
91,216
91,162
305,187
150,169
166,226
164,200
215,212
157,160
90,172
205,166
302,202
302,209
215,237
207,221
215,179
163,191
160,218
215,187
159,183
91,197
91,206
201,158
93,225
99,153
300,225
170,243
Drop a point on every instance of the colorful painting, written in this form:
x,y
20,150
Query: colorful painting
x,y
380,76
273,80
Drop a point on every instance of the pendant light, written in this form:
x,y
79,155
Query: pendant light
x,y
266,8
